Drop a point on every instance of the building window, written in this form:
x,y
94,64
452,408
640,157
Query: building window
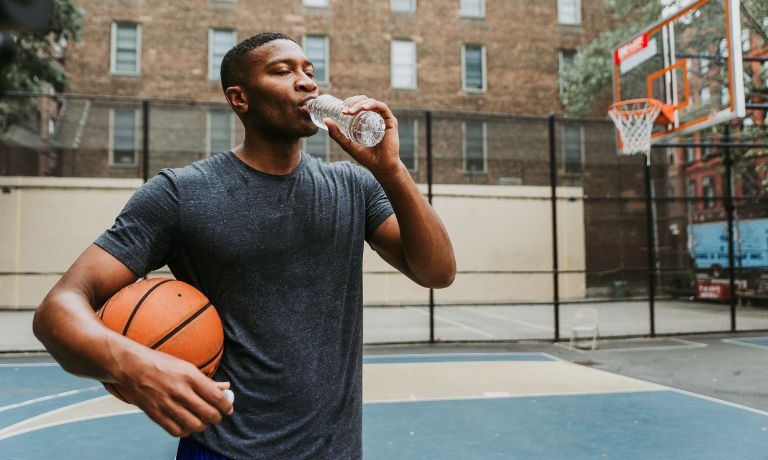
x,y
690,191
219,42
746,40
573,149
316,3
690,154
565,60
473,8
403,64
126,49
407,129
403,6
220,131
708,191
705,94
316,47
122,139
317,145
473,66
474,147
569,12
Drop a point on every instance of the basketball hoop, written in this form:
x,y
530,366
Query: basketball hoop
x,y
634,119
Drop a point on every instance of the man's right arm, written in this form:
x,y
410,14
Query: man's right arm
x,y
172,392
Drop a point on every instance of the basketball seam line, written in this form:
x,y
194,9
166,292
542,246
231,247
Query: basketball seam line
x,y
202,366
181,326
138,305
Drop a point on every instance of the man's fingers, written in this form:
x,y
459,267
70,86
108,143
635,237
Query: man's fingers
x,y
213,397
350,101
203,410
338,136
188,421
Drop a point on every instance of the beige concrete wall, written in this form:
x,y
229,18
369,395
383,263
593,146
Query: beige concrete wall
x,y
46,223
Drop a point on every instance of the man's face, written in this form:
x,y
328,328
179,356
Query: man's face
x,y
278,84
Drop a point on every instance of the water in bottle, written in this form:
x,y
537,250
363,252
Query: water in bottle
x,y
365,127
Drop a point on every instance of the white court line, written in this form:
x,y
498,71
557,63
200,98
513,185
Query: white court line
x,y
48,398
455,323
8,432
459,354
511,320
720,401
686,344
749,345
513,396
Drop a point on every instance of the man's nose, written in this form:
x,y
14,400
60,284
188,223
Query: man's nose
x,y
305,83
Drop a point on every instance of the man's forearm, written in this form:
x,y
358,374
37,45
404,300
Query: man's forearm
x,y
426,246
65,324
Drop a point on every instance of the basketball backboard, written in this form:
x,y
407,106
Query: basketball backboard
x,y
690,61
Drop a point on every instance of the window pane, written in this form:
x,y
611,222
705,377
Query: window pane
x,y
472,8
403,59
317,145
407,131
124,137
569,11
474,147
572,145
316,52
220,131
221,41
403,5
125,49
473,67
319,3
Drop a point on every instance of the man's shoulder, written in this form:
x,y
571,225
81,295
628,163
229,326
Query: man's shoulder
x,y
344,168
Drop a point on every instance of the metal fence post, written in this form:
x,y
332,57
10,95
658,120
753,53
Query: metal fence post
x,y
429,197
553,194
651,246
729,213
145,140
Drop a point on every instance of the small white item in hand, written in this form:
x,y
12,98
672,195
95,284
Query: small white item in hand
x,y
229,395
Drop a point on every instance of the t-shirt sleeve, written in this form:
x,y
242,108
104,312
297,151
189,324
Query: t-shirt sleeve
x,y
377,205
145,231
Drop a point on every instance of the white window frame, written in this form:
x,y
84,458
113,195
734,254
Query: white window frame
x,y
568,21
326,56
111,140
415,78
327,147
315,3
484,69
415,122
208,137
113,50
410,9
216,76
466,13
582,146
464,149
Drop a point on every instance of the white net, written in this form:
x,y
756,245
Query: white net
x,y
634,119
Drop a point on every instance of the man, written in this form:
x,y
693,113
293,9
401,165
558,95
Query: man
x,y
275,239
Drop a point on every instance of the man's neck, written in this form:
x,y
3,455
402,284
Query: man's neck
x,y
269,156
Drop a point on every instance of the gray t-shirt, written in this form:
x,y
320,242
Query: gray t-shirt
x,y
280,257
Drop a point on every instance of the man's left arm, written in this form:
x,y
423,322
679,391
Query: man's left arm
x,y
414,239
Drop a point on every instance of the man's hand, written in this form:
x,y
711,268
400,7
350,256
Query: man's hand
x,y
172,392
384,157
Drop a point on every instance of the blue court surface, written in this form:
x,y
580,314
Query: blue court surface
x,y
435,406
753,342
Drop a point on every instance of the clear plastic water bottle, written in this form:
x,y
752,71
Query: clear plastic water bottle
x,y
365,127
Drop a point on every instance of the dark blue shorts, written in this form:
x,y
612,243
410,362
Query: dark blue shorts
x,y
191,450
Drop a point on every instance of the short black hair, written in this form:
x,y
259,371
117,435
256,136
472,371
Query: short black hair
x,y
235,59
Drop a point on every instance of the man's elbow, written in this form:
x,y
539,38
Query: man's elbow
x,y
441,280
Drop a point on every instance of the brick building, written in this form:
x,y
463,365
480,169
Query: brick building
x,y
490,56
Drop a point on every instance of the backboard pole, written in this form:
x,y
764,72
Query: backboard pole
x,y
729,214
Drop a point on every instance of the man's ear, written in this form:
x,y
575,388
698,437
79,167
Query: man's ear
x,y
237,99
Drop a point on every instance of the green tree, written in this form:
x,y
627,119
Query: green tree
x,y
36,66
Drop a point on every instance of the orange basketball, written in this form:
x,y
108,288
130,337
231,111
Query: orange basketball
x,y
170,316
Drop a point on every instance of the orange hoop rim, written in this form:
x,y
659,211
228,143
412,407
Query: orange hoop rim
x,y
651,104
